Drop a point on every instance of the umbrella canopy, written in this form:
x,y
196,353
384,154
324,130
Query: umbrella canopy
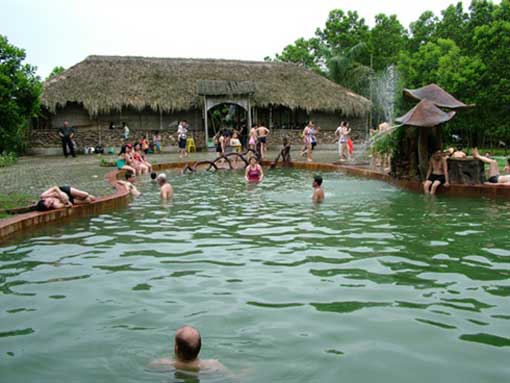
x,y
426,115
437,95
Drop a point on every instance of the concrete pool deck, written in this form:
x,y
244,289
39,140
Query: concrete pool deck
x,y
84,172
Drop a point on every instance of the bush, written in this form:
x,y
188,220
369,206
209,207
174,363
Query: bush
x,y
8,159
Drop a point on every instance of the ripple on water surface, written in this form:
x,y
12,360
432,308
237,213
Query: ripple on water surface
x,y
376,283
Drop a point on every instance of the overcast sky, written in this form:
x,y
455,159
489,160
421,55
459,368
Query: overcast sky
x,y
64,32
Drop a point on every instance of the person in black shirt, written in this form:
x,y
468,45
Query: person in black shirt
x,y
66,135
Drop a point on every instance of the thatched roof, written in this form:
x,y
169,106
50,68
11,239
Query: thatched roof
x,y
225,88
105,83
437,95
426,114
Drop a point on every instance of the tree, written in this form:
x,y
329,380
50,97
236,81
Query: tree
x,y
55,72
302,52
453,26
422,30
344,69
341,32
386,39
20,89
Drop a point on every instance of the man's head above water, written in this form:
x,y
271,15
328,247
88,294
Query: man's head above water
x,y
187,344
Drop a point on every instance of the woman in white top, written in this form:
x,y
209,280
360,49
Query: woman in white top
x,y
342,134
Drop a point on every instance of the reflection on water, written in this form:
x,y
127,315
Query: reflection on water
x,y
374,284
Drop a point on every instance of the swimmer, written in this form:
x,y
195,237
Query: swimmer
x,y
166,190
437,173
62,196
318,191
187,345
128,184
154,175
254,171
494,177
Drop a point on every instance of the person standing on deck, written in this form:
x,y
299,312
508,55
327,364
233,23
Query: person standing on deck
x,y
66,134
182,136
342,134
262,133
125,132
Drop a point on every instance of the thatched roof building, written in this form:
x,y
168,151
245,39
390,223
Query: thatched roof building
x,y
102,84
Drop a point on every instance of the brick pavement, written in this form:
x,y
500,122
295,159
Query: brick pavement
x,y
34,174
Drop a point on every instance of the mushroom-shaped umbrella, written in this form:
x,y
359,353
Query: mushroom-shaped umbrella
x,y
437,95
426,115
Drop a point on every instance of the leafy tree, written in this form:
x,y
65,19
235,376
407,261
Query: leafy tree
x,y
422,30
20,89
453,26
386,39
342,31
442,62
344,69
303,52
55,72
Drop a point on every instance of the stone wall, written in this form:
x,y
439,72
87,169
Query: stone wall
x,y
94,131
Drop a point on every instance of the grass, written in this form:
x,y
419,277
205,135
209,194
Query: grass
x,y
14,200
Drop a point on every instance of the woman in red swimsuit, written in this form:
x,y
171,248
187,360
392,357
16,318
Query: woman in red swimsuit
x,y
254,171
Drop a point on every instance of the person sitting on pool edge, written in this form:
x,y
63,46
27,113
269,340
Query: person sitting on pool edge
x,y
128,183
62,196
437,174
187,345
166,190
318,191
494,177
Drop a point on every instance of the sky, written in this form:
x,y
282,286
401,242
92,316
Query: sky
x,y
64,32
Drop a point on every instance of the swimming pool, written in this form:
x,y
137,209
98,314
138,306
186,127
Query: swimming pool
x,y
376,284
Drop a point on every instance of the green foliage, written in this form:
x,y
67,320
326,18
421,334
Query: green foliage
x,y
55,72
465,51
343,68
387,38
20,89
303,52
7,159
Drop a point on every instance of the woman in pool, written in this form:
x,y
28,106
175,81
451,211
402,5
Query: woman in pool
x,y
494,177
62,196
254,171
122,161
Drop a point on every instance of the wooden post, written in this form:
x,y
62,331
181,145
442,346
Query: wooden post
x,y
160,119
270,122
423,151
249,116
206,125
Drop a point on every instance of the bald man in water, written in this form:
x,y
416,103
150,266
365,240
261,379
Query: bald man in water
x,y
186,348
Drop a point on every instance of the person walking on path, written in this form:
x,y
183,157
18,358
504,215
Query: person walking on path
x,y
66,134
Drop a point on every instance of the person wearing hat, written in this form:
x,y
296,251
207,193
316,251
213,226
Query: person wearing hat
x,y
166,190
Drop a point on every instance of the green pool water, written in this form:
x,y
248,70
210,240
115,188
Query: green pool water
x,y
375,285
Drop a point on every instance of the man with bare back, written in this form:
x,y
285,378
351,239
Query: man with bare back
x,y
262,133
437,173
494,176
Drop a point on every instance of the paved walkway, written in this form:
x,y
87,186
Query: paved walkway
x,y
33,175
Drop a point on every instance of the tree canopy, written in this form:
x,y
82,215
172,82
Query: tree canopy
x,y
465,51
20,89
